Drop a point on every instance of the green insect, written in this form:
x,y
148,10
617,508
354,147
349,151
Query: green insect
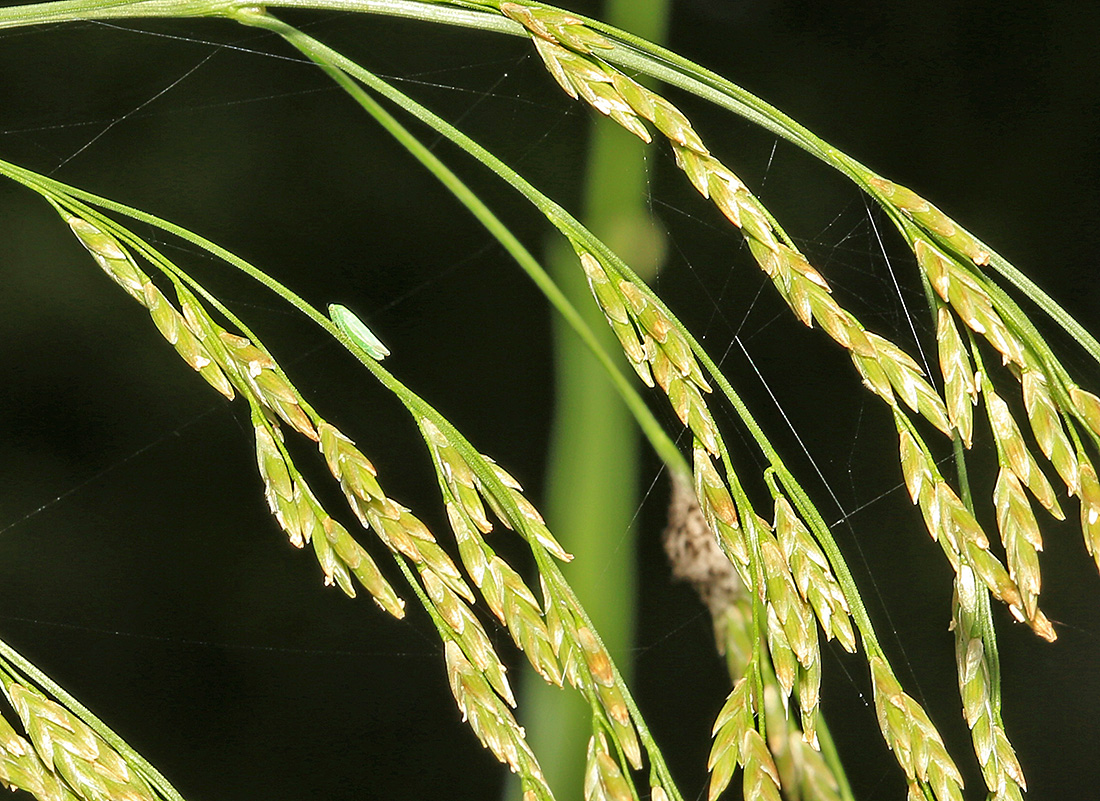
x,y
357,331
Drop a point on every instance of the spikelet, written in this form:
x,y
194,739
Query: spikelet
x,y
509,504
1046,424
932,220
960,387
1087,406
493,722
951,524
1000,768
301,515
734,721
22,769
1090,508
954,284
915,742
1020,537
737,743
603,779
109,254
813,576
507,595
719,511
1016,455
556,26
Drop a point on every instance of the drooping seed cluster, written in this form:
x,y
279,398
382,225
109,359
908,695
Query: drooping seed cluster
x,y
64,760
1055,408
954,527
475,672
477,675
1052,403
558,643
21,768
949,256
1000,768
232,364
885,368
656,349
567,48
493,722
504,590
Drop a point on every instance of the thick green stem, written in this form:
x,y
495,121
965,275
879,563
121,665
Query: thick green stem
x,y
593,472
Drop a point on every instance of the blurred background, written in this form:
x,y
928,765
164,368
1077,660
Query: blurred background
x,y
138,563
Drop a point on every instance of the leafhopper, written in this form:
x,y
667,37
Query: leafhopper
x,y
356,330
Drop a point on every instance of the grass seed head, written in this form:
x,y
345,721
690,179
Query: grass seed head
x,y
112,258
932,220
911,736
760,779
734,720
1017,455
491,720
813,576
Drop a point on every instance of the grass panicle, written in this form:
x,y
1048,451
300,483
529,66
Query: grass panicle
x,y
299,513
696,557
886,368
492,721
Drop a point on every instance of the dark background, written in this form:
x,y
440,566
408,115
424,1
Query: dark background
x,y
138,563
